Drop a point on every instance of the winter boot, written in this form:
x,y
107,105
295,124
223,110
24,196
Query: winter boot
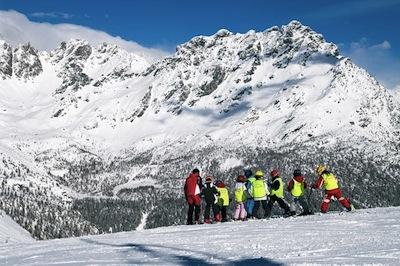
x,y
207,221
217,218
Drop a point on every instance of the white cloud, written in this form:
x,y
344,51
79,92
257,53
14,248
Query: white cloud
x,y
52,15
15,28
363,46
383,45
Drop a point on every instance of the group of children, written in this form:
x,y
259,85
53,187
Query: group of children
x,y
254,197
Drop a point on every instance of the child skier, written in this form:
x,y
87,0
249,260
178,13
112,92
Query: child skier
x,y
277,194
259,192
249,203
296,187
240,197
210,194
223,200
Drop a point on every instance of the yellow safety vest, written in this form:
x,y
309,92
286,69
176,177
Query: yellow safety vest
x,y
279,192
223,199
330,181
239,194
259,188
298,188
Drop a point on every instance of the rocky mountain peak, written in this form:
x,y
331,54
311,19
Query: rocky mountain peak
x,y
23,62
75,49
5,60
244,61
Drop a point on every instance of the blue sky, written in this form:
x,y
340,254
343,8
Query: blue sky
x,y
368,31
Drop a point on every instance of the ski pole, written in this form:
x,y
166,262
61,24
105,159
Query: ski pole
x,y
309,200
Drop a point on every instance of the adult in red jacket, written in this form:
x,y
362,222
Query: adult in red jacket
x,y
330,183
192,192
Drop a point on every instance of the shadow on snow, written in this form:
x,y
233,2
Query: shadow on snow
x,y
164,254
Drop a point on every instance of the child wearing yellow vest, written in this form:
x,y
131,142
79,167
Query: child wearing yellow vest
x,y
240,197
296,187
259,192
277,193
223,200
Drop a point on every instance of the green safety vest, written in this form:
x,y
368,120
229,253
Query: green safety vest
x,y
298,188
251,179
239,194
223,199
330,181
259,188
279,192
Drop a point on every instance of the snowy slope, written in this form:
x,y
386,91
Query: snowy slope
x,y
366,237
11,232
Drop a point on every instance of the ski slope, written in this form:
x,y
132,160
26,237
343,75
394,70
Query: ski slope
x,y
365,237
11,232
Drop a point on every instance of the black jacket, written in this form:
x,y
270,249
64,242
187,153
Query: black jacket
x,y
209,192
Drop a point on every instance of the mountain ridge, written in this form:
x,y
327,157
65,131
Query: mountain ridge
x,y
98,122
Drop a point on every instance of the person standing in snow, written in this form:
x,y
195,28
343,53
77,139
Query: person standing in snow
x,y
223,200
210,194
240,198
296,187
277,193
192,192
330,183
259,192
249,203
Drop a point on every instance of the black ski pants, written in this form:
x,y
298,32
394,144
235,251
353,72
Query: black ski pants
x,y
196,210
280,201
208,208
264,205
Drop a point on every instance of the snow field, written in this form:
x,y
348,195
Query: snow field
x,y
364,237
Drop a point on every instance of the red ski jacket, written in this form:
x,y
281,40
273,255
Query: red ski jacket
x,y
191,185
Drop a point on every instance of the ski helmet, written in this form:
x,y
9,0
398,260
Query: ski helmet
x,y
274,173
296,172
259,173
220,184
209,178
321,169
241,178
248,173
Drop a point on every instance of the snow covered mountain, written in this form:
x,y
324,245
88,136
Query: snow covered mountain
x,y
95,121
